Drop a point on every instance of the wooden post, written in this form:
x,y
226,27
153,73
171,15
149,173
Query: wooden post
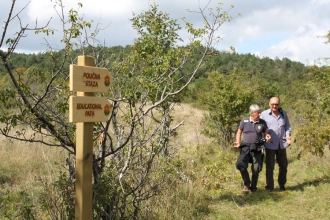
x,y
84,158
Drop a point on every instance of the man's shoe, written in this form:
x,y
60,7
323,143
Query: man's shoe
x,y
282,188
269,189
245,190
253,189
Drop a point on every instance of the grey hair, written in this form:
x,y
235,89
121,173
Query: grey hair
x,y
254,108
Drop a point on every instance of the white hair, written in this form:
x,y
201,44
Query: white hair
x,y
254,108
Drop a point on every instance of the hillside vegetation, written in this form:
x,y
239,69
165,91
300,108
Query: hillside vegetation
x,y
207,187
201,180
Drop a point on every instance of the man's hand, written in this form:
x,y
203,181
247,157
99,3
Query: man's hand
x,y
268,138
236,144
288,140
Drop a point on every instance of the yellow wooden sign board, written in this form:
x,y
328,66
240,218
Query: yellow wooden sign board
x,y
89,79
89,109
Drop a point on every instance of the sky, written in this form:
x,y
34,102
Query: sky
x,y
274,28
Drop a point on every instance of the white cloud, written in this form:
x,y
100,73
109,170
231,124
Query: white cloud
x,y
306,49
282,30
251,31
42,10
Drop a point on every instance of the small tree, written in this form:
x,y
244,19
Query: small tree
x,y
227,98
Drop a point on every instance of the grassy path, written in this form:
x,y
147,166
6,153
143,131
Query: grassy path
x,y
306,197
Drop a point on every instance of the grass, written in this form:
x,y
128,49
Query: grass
x,y
23,164
209,187
306,195
216,190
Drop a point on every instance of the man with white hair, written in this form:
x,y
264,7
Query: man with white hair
x,y
254,131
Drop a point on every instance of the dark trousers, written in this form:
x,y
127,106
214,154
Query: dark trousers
x,y
242,164
282,161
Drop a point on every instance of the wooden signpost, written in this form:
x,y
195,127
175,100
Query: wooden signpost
x,y
85,109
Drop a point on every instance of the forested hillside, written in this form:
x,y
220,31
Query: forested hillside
x,y
239,78
223,62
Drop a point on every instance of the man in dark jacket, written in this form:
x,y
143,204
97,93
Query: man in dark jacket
x,y
254,131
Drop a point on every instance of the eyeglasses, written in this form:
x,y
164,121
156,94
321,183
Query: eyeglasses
x,y
276,104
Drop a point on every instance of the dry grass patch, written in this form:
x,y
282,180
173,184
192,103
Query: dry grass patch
x,y
189,134
23,163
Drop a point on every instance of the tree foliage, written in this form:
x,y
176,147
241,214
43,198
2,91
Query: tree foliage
x,y
312,110
226,97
